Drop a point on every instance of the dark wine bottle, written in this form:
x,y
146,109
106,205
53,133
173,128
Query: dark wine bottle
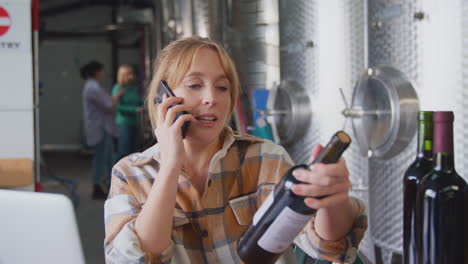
x,y
283,214
441,202
413,175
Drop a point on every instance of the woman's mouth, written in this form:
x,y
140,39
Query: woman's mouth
x,y
207,120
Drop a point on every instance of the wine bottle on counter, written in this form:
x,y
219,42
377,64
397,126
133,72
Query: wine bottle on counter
x,y
413,175
442,202
283,214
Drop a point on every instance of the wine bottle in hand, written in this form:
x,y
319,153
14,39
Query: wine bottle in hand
x,y
283,214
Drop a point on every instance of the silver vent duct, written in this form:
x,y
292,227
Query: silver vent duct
x,y
201,18
183,18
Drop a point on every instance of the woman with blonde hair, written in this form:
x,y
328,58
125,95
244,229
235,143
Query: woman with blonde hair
x,y
189,200
128,112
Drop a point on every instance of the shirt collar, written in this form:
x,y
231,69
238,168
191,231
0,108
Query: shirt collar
x,y
153,153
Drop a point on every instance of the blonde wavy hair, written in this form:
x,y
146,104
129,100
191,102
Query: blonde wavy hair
x,y
175,60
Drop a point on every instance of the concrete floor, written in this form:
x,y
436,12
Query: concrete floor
x,y
89,213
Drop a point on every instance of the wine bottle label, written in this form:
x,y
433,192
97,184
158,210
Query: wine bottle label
x,y
283,230
264,207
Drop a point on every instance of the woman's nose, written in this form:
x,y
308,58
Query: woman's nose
x,y
209,97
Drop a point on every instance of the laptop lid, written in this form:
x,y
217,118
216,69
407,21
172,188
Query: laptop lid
x,y
38,228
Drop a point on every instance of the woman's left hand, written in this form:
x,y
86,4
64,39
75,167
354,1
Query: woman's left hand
x,y
329,181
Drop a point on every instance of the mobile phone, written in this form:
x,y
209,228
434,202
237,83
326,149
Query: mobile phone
x,y
164,89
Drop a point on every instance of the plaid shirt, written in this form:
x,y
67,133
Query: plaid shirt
x,y
206,229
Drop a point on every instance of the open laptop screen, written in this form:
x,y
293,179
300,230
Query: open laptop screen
x,y
38,228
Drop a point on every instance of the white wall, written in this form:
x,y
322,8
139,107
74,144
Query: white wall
x,y
16,86
59,64
61,99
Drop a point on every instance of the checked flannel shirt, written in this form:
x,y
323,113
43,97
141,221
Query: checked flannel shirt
x,y
206,229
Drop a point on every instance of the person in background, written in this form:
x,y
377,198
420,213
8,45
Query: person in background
x,y
128,112
191,200
99,125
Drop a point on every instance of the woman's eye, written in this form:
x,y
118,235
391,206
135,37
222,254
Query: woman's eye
x,y
222,88
194,86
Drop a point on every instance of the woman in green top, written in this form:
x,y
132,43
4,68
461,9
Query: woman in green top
x,y
127,112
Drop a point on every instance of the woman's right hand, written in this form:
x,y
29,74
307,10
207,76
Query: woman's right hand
x,y
121,91
117,96
169,133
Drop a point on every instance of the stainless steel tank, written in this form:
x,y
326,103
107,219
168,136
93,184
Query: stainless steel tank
x,y
423,39
323,50
252,38
298,46
392,41
320,47
415,48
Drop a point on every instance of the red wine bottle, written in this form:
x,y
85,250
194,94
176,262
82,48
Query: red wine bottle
x,y
283,214
442,202
413,175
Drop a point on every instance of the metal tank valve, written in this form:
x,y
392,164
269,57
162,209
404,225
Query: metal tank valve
x,y
382,112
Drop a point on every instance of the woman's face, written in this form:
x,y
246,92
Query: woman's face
x,y
99,75
206,88
129,76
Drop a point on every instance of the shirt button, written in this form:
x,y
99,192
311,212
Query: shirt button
x,y
204,233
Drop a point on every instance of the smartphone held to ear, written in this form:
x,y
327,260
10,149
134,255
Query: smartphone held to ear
x,y
164,89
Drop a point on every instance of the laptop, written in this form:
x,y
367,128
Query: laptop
x,y
38,228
